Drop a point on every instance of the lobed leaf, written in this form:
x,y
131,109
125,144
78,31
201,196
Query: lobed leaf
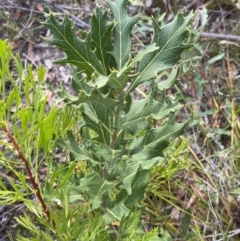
x,y
79,52
99,118
122,31
155,140
101,33
116,213
78,153
169,39
142,112
95,187
83,97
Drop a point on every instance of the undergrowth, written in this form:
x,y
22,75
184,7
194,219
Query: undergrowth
x,y
117,163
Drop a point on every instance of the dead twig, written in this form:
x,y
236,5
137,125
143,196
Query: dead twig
x,y
78,22
21,8
228,37
29,19
63,8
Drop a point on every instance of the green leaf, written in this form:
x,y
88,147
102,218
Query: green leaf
x,y
122,31
166,84
78,153
94,187
115,213
141,54
138,186
153,235
24,115
92,96
142,113
79,52
169,39
101,39
111,158
186,222
156,140
99,118
117,80
48,127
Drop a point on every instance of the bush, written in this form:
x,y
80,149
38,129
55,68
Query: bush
x,y
119,138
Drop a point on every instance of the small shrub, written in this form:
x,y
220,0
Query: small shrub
x,y
120,138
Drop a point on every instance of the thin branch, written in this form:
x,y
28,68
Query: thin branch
x,y
65,7
228,37
20,8
34,184
190,5
78,22
29,19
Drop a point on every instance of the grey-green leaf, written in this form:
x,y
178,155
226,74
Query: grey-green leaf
x,y
95,187
122,31
166,84
155,140
79,52
93,96
99,118
77,153
101,39
142,112
169,39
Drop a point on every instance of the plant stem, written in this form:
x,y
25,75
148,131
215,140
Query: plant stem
x,y
115,125
34,184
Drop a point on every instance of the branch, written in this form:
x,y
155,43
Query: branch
x,y
221,36
32,180
78,22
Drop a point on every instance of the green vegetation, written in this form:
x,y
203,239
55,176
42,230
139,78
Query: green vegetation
x,y
122,163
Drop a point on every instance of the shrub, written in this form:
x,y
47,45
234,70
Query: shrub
x,y
120,138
